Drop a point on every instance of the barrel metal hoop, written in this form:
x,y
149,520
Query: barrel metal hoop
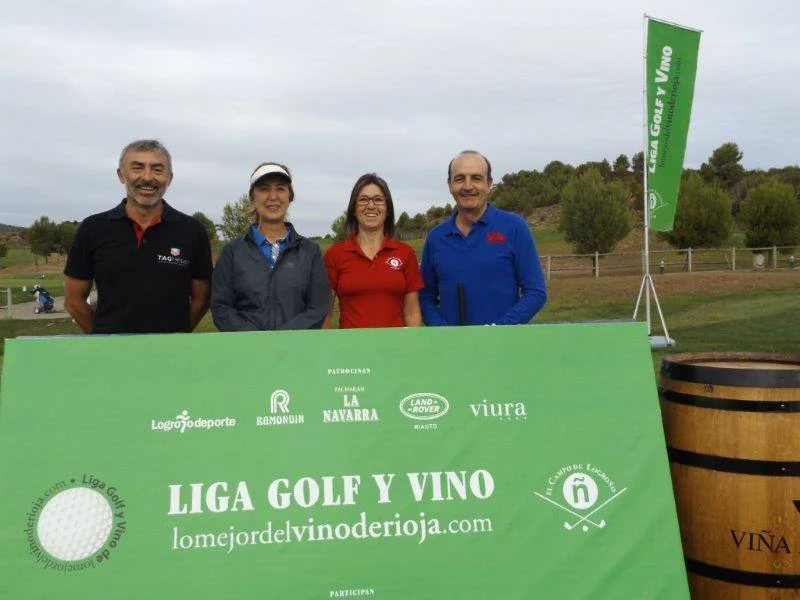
x,y
774,378
760,406
752,578
768,468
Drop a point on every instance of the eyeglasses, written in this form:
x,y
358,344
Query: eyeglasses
x,y
376,200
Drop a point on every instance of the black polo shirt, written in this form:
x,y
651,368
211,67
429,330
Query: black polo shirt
x,y
142,289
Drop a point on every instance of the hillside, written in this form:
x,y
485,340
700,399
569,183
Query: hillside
x,y
9,228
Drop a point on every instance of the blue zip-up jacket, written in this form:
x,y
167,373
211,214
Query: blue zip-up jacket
x,y
497,264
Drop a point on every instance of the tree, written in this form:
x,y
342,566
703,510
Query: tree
x,y
637,163
513,200
418,222
3,247
703,216
771,215
403,221
339,227
42,237
207,224
64,234
235,217
789,175
594,214
739,191
622,165
724,165
602,167
558,173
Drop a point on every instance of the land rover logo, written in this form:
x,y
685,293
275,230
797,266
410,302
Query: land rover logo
x,y
424,406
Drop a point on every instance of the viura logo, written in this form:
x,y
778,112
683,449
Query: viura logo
x,y
499,410
425,407
582,491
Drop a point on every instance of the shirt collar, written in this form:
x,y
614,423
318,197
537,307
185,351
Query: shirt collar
x,y
389,243
484,219
260,240
118,212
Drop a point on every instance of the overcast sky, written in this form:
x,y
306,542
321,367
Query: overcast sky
x,y
337,89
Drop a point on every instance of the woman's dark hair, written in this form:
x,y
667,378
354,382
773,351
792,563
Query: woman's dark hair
x,y
363,181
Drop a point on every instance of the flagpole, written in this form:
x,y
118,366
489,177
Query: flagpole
x,y
644,182
647,281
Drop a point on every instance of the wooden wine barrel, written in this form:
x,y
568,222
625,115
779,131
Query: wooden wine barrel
x,y
732,426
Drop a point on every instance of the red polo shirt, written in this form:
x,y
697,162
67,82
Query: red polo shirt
x,y
371,292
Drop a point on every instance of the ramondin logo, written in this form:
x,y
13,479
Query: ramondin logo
x,y
426,407
183,422
577,486
279,413
76,525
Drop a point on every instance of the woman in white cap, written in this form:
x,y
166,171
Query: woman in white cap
x,y
271,277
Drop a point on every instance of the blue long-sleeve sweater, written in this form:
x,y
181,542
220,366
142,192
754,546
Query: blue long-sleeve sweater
x,y
498,265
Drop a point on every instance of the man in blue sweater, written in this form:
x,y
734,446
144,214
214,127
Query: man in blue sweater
x,y
484,255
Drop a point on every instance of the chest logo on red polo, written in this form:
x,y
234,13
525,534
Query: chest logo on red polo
x,y
495,237
394,263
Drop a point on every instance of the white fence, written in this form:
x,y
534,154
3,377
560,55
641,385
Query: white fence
x,y
687,260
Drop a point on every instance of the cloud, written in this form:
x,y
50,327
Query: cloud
x,y
336,90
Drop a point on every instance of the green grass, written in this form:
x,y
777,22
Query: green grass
x,y
746,318
748,321
757,321
12,328
53,283
17,256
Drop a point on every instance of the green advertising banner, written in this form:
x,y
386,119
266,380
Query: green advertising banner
x,y
671,65
475,462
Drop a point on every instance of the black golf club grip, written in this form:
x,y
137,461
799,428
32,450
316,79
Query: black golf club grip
x,y
462,304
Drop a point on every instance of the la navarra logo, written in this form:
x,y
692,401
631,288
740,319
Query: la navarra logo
x,y
76,524
581,491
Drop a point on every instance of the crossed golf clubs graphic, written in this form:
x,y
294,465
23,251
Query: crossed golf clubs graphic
x,y
582,518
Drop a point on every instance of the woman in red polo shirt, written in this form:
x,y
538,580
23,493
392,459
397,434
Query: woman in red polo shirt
x,y
375,277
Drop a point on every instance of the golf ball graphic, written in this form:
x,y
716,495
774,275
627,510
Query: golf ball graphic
x,y
75,524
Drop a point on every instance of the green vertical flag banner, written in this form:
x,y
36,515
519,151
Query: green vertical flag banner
x,y
424,463
671,67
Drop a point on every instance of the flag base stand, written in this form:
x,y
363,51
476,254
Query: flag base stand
x,y
659,342
647,288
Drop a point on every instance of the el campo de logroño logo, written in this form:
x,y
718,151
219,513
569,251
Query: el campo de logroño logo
x,y
581,491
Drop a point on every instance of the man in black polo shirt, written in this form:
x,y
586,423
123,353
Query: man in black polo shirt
x,y
151,263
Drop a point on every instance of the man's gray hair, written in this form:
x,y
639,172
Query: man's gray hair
x,y
146,146
462,153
